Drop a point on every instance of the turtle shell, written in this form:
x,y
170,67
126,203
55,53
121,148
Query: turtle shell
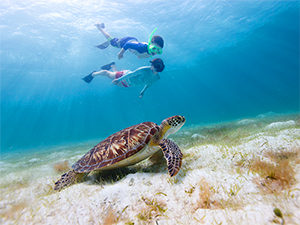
x,y
117,147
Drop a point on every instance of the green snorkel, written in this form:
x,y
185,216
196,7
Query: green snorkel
x,y
152,48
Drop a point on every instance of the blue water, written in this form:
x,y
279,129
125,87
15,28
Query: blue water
x,y
224,60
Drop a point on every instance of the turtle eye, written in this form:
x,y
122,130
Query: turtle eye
x,y
182,119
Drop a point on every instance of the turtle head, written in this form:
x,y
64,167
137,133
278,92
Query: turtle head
x,y
171,125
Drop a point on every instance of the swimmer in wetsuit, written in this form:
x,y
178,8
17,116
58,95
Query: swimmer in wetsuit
x,y
145,75
141,49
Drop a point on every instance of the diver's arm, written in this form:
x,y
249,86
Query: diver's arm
x,y
136,72
121,53
128,45
143,91
118,80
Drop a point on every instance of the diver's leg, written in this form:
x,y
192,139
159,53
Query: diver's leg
x,y
106,73
105,44
101,29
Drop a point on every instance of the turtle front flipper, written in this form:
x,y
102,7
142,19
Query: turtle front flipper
x,y
67,179
172,154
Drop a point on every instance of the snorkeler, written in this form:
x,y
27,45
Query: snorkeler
x,y
145,75
141,49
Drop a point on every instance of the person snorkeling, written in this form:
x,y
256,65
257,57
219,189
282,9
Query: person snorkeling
x,y
141,49
145,75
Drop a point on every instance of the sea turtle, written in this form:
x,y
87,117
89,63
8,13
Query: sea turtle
x,y
127,147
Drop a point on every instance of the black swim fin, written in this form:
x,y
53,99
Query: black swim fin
x,y
88,78
108,66
104,45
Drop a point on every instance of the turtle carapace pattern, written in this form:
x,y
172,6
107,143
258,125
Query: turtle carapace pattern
x,y
127,147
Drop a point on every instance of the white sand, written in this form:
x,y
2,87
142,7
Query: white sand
x,y
234,197
281,124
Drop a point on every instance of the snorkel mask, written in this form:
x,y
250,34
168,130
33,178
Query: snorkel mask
x,y
153,48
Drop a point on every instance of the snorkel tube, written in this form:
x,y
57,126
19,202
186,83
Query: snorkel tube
x,y
151,35
150,45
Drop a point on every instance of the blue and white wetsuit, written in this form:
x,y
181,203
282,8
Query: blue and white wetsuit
x,y
133,45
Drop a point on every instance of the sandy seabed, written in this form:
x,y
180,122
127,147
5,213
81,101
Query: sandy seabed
x,y
243,172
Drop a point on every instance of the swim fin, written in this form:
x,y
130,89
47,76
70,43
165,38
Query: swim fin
x,y
100,25
104,45
107,66
88,78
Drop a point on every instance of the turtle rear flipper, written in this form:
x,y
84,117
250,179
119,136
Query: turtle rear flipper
x,y
67,179
172,154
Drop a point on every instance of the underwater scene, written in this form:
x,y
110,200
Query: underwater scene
x,y
150,112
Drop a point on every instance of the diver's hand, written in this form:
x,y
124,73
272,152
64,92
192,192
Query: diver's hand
x,y
115,81
141,95
120,55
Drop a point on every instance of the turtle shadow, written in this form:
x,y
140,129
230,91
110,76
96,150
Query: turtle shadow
x,y
115,175
156,164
